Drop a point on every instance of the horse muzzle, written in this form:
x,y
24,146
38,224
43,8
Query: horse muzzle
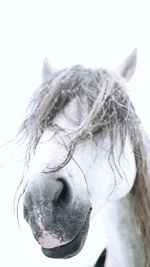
x,y
71,248
59,220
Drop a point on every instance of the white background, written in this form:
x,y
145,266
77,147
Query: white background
x,y
93,33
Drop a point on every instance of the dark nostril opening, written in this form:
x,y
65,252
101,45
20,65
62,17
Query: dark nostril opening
x,y
64,196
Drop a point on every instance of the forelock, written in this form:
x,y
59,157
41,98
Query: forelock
x,y
65,85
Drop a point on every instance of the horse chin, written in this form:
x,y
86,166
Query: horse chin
x,y
72,248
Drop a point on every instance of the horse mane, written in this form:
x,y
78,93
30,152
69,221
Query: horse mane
x,y
110,112
140,193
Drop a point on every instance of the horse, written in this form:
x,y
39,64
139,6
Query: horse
x,y
87,152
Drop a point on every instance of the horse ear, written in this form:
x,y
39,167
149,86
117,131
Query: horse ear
x,y
127,68
47,70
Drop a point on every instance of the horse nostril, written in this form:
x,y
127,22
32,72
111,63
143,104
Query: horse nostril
x,y
55,193
64,196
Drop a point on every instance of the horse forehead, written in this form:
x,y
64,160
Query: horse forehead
x,y
73,114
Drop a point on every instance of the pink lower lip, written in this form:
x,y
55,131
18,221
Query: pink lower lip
x,y
48,241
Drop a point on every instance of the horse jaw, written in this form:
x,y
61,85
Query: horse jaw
x,y
106,182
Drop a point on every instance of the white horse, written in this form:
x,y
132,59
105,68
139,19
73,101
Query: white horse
x,y
87,153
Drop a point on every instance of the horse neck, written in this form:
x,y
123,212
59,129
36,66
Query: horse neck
x,y
124,246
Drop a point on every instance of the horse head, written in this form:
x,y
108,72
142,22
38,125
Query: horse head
x,y
80,155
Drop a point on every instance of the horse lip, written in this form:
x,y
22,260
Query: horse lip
x,y
73,247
